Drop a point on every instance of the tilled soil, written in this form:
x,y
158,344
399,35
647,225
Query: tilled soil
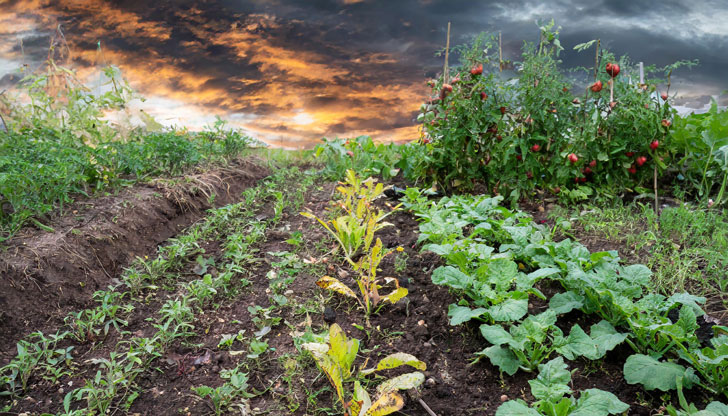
x,y
283,381
47,274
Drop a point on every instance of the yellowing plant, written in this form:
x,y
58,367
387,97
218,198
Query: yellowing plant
x,y
354,232
336,359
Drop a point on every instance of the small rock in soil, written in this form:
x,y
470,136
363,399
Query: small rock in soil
x,y
329,315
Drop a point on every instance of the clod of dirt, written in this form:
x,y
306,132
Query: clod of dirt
x,y
329,315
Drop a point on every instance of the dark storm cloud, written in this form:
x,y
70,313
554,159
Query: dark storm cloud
x,y
317,67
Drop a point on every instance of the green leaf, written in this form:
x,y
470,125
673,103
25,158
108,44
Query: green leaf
x,y
511,309
502,272
496,335
606,337
652,374
552,381
578,343
460,314
541,273
503,358
452,277
719,409
595,402
637,273
562,303
515,408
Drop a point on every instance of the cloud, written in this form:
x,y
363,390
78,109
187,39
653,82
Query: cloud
x,y
292,71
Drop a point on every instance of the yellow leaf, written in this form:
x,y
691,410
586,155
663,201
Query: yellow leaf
x,y
332,283
386,404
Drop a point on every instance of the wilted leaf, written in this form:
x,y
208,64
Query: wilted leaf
x,y
396,360
331,283
386,404
403,382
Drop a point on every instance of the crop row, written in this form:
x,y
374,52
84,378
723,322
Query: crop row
x,y
496,261
114,384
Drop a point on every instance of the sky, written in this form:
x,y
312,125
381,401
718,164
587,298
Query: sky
x,y
290,72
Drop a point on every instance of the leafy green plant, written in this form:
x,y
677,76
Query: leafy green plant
x,y
115,379
540,129
702,142
90,323
550,389
221,398
361,155
36,355
526,345
336,358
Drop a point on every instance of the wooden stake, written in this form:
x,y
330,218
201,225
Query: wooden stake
x,y
500,52
596,61
445,70
642,73
657,203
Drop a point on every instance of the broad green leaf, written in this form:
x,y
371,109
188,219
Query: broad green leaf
x,y
403,382
450,276
552,381
719,409
439,249
511,309
637,273
502,272
459,314
579,344
541,273
687,300
515,408
503,358
606,337
331,283
595,402
496,335
565,302
652,374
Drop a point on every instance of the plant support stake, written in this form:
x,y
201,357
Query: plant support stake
x,y
445,71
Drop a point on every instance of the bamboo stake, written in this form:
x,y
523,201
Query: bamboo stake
x,y
445,70
596,60
642,73
500,51
426,407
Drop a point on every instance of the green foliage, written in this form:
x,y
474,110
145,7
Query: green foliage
x,y
37,355
514,135
550,389
494,258
221,398
360,154
702,141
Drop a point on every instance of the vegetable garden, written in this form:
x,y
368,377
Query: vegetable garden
x,y
548,246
